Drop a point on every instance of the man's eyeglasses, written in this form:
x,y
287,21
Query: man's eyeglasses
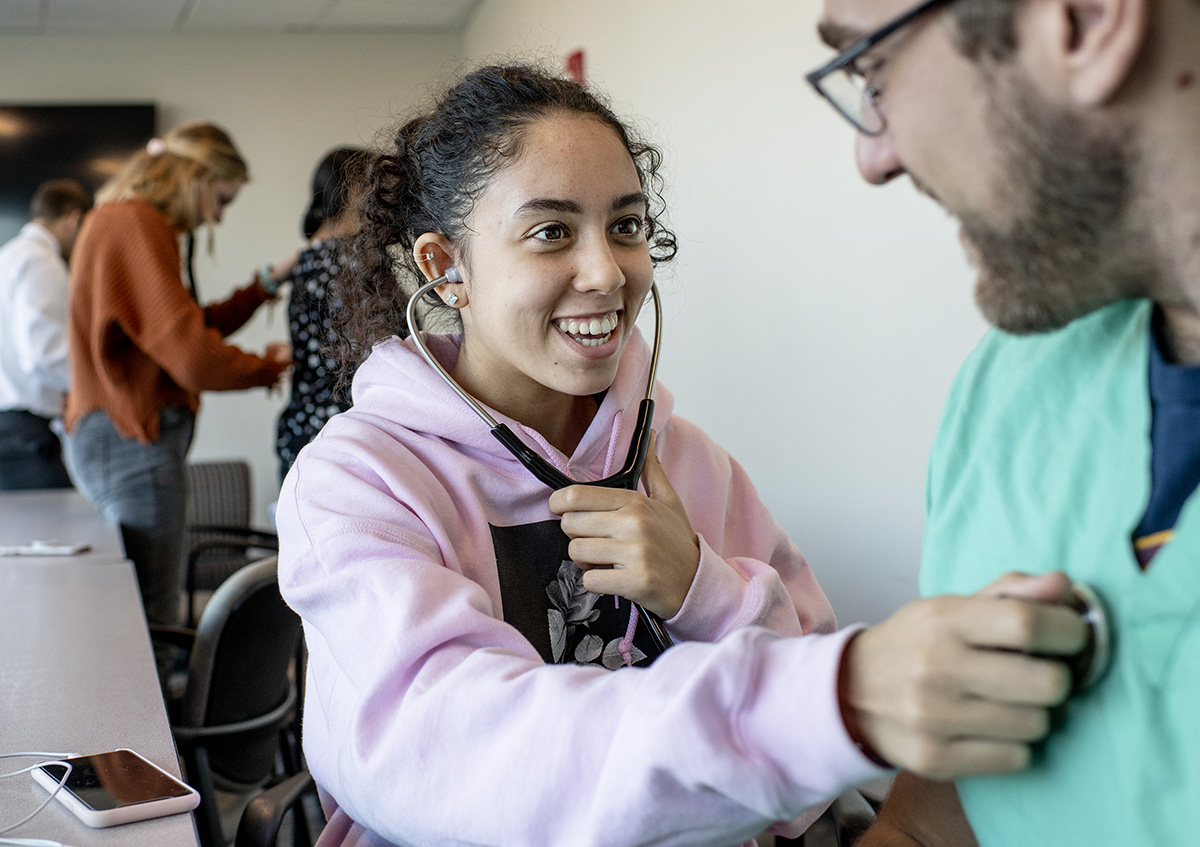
x,y
842,83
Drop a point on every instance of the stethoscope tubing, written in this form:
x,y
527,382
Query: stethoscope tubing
x,y
627,477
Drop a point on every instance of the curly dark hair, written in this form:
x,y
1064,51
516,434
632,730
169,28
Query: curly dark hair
x,y
428,179
331,182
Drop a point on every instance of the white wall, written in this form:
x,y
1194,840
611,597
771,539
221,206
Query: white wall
x,y
286,100
812,324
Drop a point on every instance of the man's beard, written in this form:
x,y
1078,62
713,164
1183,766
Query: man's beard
x,y
1066,251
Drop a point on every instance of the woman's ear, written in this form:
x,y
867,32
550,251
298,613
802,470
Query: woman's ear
x,y
432,253
1084,50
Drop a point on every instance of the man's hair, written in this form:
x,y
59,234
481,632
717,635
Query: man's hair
x,y
986,28
57,198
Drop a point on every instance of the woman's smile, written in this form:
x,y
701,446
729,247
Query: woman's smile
x,y
591,331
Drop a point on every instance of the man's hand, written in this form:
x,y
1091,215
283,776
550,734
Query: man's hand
x,y
950,686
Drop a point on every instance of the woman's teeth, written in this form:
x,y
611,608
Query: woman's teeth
x,y
589,333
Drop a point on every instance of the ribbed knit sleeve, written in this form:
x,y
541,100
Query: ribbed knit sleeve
x,y
230,315
138,342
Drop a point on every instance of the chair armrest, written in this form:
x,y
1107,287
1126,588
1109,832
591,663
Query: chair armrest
x,y
261,537
200,548
180,636
262,817
188,736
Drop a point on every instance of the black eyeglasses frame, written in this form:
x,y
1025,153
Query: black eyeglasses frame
x,y
852,53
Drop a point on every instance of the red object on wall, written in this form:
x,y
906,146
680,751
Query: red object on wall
x,y
574,66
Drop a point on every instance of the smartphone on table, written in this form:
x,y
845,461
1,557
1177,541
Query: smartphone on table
x,y
106,789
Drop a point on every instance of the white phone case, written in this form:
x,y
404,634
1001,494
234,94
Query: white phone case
x,y
133,811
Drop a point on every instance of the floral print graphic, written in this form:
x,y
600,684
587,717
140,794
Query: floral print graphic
x,y
571,613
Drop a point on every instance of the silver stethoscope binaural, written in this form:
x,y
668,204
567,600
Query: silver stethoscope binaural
x,y
629,474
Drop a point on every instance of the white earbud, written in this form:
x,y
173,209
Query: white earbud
x,y
452,274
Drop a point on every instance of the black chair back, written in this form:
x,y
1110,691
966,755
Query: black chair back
x,y
218,538
241,694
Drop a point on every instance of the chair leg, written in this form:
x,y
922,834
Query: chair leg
x,y
300,833
208,816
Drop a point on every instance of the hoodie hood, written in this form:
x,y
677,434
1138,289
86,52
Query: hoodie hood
x,y
395,386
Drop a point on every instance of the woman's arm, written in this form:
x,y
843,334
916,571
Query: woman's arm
x,y
231,314
133,262
430,719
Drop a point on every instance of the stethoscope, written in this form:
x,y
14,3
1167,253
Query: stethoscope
x,y
1087,666
629,474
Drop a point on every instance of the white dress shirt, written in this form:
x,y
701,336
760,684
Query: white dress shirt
x,y
33,323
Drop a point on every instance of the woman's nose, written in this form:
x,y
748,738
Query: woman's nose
x,y
599,269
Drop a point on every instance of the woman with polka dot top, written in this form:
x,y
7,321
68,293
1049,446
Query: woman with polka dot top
x,y
316,395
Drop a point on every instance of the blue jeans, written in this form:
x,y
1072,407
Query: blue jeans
x,y
30,453
143,489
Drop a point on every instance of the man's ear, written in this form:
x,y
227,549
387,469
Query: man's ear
x,y
1081,51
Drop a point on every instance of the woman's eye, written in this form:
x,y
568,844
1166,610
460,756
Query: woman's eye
x,y
632,225
551,232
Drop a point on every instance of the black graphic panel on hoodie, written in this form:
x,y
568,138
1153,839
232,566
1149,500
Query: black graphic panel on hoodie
x,y
543,597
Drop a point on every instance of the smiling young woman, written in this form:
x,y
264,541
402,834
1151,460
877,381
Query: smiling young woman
x,y
464,626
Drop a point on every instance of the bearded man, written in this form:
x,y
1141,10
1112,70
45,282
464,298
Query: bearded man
x,y
1065,137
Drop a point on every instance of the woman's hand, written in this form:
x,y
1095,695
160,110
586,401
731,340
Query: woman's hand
x,y
280,354
638,546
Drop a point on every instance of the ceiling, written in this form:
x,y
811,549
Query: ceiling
x,y
67,17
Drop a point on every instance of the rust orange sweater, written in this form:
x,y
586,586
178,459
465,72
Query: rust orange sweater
x,y
138,342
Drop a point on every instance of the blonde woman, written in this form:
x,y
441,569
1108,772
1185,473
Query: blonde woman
x,y
142,349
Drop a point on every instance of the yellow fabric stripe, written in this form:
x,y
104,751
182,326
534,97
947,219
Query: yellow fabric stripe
x,y
1154,539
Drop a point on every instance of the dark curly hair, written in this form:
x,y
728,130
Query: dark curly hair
x,y
434,169
331,182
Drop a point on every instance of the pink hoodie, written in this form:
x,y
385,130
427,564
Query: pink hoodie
x,y
430,720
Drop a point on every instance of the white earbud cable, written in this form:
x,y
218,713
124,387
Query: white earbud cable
x,y
46,759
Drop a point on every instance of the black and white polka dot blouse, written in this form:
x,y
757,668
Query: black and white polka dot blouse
x,y
313,399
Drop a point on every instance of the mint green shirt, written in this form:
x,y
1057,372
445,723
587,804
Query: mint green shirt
x,y
1042,462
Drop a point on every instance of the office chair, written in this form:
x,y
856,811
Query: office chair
x,y
219,539
264,815
233,719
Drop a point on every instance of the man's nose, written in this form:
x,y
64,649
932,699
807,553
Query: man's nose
x,y
876,158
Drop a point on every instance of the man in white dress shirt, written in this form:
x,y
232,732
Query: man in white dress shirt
x,y
33,336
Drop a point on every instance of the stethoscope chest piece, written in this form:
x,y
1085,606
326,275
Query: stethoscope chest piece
x,y
1090,664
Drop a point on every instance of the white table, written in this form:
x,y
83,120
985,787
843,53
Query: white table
x,y
56,515
77,675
